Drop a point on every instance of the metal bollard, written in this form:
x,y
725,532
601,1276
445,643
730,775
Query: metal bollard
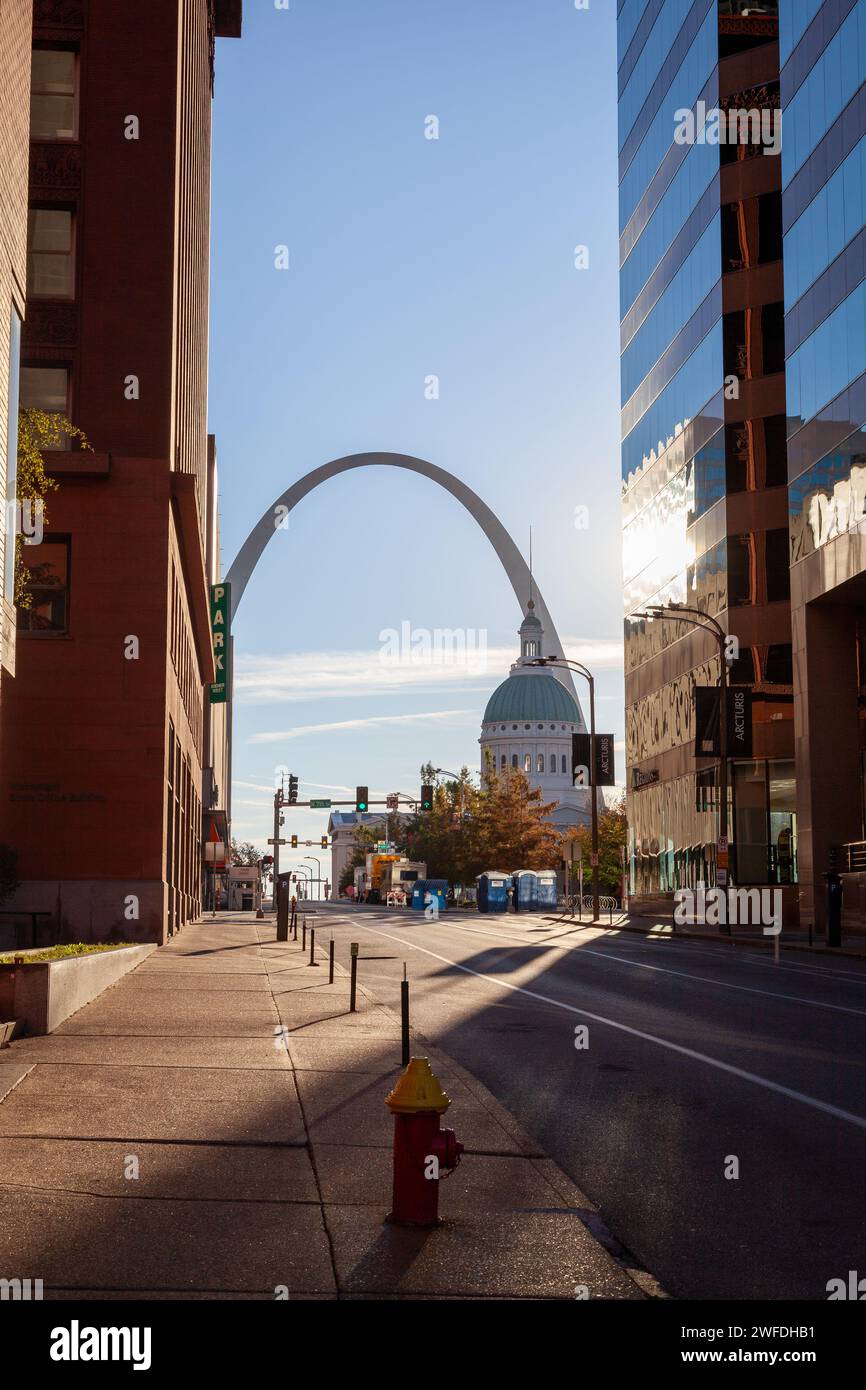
x,y
353,983
331,962
404,1016
303,933
313,960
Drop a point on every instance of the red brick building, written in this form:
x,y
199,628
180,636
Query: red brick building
x,y
109,754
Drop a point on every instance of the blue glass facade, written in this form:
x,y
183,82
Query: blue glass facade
x,y
703,412
823,83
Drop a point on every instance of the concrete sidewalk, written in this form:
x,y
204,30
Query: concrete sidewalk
x,y
214,1126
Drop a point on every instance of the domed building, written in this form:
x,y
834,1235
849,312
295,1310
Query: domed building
x,y
528,724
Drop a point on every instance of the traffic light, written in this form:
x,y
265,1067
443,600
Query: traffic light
x,y
294,842
362,798
324,842
293,789
426,798
267,861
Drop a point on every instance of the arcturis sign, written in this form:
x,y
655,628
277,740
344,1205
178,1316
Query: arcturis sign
x,y
580,759
220,609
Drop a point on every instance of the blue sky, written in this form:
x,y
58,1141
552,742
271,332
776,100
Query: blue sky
x,y
408,258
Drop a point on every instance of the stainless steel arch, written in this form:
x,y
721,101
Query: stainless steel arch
x,y
510,557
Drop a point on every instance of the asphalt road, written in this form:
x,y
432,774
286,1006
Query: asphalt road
x,y
697,1055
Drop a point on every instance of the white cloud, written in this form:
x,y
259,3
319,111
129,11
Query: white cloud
x,y
374,721
341,674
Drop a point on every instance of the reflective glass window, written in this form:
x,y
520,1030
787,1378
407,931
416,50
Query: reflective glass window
x,y
824,94
828,224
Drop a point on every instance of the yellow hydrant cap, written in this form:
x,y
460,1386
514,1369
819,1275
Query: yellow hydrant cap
x,y
417,1089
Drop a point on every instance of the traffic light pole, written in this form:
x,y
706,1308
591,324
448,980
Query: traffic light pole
x,y
278,798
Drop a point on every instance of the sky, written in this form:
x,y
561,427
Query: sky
x,y
411,258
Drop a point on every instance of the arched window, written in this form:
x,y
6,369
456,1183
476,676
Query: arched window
x,y
527,762
564,766
539,766
514,760
502,764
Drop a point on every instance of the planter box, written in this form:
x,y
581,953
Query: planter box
x,y
40,996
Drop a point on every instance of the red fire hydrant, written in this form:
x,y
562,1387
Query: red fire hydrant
x,y
422,1151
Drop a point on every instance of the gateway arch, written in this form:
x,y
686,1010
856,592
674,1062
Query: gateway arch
x,y
510,557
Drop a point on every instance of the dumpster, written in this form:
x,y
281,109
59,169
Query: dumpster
x,y
525,883
548,893
434,887
493,891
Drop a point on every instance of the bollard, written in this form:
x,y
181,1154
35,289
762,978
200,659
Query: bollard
x,y
331,962
404,1015
294,923
421,1149
353,983
282,913
313,960
303,933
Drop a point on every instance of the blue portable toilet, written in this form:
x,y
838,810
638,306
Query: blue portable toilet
x,y
525,890
493,891
436,887
548,894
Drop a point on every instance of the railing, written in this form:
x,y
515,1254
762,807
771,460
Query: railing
x,y
853,857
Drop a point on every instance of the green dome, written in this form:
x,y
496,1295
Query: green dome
x,y
539,696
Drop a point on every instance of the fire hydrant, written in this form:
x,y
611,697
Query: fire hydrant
x,y
422,1151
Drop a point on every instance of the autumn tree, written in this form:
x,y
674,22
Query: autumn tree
x,y
245,853
612,835
38,431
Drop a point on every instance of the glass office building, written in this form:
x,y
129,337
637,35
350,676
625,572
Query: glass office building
x,y
823,72
704,458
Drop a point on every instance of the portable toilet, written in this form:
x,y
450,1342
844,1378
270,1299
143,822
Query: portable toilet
x,y
436,887
525,883
493,891
548,893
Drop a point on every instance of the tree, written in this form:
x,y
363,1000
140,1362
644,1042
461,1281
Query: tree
x,y
502,826
245,853
37,431
612,835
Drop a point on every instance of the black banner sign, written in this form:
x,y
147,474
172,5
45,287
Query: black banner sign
x,y
605,775
739,721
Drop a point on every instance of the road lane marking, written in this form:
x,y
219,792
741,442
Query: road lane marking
x,y
800,1096
547,944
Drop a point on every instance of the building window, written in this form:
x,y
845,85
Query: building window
x,y
527,762
514,760
46,388
48,586
53,93
50,254
502,763
564,766
539,765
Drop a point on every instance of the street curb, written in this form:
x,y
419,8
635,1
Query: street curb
x,y
667,934
572,1196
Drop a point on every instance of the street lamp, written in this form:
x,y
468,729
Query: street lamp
x,y
305,869
318,864
565,663
458,779
696,618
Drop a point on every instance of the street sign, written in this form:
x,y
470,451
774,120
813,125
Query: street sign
x,y
321,805
220,613
276,842
392,801
593,859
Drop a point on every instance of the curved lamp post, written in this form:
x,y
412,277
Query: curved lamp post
x,y
318,864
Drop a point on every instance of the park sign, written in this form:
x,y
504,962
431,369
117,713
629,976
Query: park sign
x,y
220,613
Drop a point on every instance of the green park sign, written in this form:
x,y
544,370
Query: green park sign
x,y
220,613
